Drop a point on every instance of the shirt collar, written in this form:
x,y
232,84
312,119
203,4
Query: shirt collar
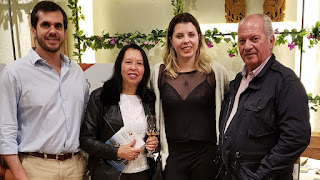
x,y
34,58
256,71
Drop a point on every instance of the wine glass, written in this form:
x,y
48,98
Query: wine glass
x,y
151,130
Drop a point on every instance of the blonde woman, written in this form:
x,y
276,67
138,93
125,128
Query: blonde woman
x,y
189,90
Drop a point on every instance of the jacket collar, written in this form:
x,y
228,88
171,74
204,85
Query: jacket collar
x,y
113,116
256,81
267,66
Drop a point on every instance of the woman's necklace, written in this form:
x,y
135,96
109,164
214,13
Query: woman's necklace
x,y
186,83
185,76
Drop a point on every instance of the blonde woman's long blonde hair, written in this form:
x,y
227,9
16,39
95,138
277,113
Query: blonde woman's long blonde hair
x,y
202,60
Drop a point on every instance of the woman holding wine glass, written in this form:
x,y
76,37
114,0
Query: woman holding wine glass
x,y
189,89
124,100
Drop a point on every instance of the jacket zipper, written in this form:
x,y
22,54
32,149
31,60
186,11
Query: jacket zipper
x,y
225,122
120,175
109,125
114,133
222,135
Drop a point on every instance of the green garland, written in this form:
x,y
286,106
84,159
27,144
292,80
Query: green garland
x,y
148,41
75,18
314,101
178,6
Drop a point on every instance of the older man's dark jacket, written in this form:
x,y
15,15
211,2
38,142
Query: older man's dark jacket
x,y
100,124
270,129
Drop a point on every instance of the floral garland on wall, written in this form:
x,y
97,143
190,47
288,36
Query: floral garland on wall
x,y
148,41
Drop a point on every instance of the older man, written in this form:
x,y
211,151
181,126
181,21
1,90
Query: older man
x,y
264,120
43,96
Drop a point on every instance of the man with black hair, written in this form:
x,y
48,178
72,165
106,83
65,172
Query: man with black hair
x,y
43,96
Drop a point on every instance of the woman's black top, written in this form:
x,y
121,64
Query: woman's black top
x,y
188,103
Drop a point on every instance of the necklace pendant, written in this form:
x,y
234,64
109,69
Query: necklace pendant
x,y
186,83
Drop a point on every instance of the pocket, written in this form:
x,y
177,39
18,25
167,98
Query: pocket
x,y
247,174
260,116
113,118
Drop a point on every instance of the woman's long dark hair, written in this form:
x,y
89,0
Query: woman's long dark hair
x,y
112,88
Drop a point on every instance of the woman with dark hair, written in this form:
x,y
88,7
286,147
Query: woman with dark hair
x,y
124,100
189,89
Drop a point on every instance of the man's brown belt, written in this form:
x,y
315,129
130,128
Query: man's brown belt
x,y
60,157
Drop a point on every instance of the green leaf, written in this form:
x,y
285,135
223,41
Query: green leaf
x,y
149,37
119,45
133,36
227,40
304,33
217,40
234,34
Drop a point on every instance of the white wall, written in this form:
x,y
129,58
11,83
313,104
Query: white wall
x,y
20,11
2,65
311,61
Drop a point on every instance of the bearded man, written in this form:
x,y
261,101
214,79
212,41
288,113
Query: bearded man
x,y
43,96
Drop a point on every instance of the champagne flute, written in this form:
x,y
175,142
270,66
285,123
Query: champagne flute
x,y
151,130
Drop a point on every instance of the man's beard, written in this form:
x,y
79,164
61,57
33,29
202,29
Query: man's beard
x,y
42,43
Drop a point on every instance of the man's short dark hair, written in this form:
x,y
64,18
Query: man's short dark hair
x,y
47,6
